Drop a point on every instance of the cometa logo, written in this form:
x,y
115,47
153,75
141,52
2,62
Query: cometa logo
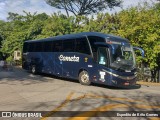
x,y
67,58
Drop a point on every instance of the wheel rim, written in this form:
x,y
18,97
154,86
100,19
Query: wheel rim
x,y
85,78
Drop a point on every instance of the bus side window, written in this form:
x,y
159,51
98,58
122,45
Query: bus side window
x,y
47,46
39,47
31,47
68,45
58,46
92,40
25,47
82,46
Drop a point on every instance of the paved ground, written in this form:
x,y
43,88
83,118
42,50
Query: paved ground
x,y
22,91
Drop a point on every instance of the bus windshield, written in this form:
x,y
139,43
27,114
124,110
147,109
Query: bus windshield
x,y
123,57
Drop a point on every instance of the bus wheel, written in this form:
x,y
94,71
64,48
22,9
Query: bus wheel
x,y
33,69
84,78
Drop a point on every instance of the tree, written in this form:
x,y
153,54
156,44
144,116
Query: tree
x,y
18,29
1,31
141,26
83,7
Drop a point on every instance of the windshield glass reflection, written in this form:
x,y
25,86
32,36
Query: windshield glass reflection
x,y
123,57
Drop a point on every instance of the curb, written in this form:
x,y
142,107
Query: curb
x,y
148,83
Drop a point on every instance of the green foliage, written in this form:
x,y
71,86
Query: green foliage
x,y
20,28
141,25
1,31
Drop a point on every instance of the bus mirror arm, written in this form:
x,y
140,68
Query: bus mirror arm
x,y
138,48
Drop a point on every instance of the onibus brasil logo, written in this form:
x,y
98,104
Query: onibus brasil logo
x,y
69,58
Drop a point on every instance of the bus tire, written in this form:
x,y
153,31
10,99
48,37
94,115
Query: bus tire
x,y
33,69
84,78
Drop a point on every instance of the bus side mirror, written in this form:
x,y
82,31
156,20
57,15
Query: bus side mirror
x,y
140,49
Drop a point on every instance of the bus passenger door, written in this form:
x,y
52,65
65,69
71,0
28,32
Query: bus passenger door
x,y
103,63
102,57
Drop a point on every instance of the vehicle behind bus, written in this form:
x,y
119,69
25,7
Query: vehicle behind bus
x,y
90,57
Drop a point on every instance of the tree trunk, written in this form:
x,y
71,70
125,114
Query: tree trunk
x,y
66,11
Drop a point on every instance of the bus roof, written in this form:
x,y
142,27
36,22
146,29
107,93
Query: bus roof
x,y
78,35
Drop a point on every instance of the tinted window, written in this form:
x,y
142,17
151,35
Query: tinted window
x,y
92,40
31,47
57,46
48,46
82,46
25,47
38,46
68,45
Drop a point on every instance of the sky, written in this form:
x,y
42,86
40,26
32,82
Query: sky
x,y
40,6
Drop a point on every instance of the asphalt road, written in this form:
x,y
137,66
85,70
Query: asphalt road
x,y
22,91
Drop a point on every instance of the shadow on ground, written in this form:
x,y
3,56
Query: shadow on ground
x,y
97,101
18,74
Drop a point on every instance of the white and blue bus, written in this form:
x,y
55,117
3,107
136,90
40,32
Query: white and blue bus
x,y
89,57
